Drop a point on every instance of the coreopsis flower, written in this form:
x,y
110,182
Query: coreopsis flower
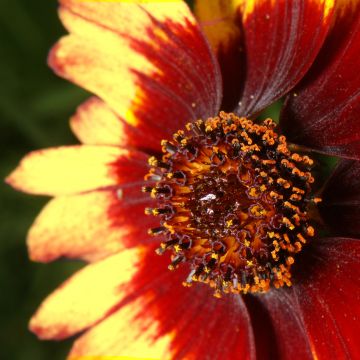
x,y
173,162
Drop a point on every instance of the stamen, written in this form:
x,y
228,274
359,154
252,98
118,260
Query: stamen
x,y
232,202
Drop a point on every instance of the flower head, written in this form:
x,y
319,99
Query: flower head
x,y
240,207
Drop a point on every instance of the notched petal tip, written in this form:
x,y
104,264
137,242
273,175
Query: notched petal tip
x,y
45,332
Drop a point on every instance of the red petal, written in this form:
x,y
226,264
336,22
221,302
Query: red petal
x,y
91,226
341,200
149,62
202,325
282,39
263,328
221,22
329,295
323,111
318,317
291,338
96,124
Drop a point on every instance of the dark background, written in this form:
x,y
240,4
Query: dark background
x,y
35,107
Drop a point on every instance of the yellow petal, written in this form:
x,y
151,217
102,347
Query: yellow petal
x,y
123,335
119,50
85,298
96,124
220,21
89,226
73,169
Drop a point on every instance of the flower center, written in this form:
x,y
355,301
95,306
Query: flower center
x,y
232,201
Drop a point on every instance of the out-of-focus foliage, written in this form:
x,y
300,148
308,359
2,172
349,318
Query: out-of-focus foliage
x,y
34,109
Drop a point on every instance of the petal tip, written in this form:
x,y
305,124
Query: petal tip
x,y
20,178
37,249
9,179
40,331
13,179
36,255
54,59
38,326
33,251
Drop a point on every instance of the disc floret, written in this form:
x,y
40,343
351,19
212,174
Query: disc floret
x,y
232,200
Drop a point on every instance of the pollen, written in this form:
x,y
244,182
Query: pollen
x,y
232,202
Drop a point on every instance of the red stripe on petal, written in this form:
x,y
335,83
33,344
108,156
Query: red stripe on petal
x,y
149,62
221,22
75,169
282,39
95,123
91,226
87,297
123,335
202,325
324,113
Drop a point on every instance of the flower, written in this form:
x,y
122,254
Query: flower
x,y
152,71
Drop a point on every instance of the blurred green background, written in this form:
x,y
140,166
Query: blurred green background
x,y
35,107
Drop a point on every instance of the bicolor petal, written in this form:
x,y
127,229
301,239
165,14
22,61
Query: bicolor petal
x,y
86,298
91,226
221,22
282,39
75,169
130,54
322,112
201,325
95,123
123,335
